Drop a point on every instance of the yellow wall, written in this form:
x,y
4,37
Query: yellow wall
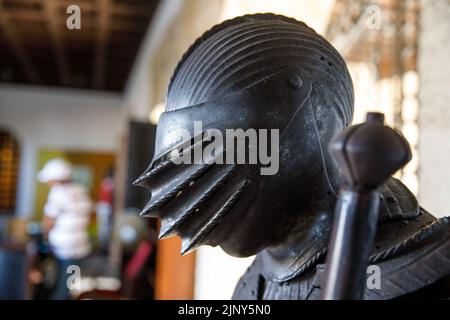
x,y
98,163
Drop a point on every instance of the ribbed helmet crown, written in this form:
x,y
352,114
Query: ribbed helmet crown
x,y
239,52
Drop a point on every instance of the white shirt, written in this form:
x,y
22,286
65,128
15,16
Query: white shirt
x,y
69,204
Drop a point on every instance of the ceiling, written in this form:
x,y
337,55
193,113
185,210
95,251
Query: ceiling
x,y
36,47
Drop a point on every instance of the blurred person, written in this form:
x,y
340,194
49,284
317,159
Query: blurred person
x,y
66,218
104,209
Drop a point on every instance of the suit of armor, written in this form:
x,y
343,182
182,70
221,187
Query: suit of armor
x,y
412,251
269,72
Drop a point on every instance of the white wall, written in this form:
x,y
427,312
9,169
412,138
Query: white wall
x,y
138,91
217,273
57,118
434,116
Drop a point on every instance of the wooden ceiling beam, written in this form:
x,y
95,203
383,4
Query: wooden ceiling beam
x,y
123,23
103,15
132,10
35,2
28,15
55,29
136,10
88,5
42,46
83,4
16,45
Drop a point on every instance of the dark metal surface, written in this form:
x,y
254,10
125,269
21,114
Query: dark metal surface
x,y
367,154
412,254
351,244
266,71
140,150
253,72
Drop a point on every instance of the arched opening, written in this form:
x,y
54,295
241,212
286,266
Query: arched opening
x,y
9,168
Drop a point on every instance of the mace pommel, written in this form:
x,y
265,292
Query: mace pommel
x,y
369,153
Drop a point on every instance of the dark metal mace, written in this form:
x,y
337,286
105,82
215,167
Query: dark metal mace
x,y
367,154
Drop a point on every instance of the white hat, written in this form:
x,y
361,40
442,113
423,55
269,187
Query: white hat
x,y
55,169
